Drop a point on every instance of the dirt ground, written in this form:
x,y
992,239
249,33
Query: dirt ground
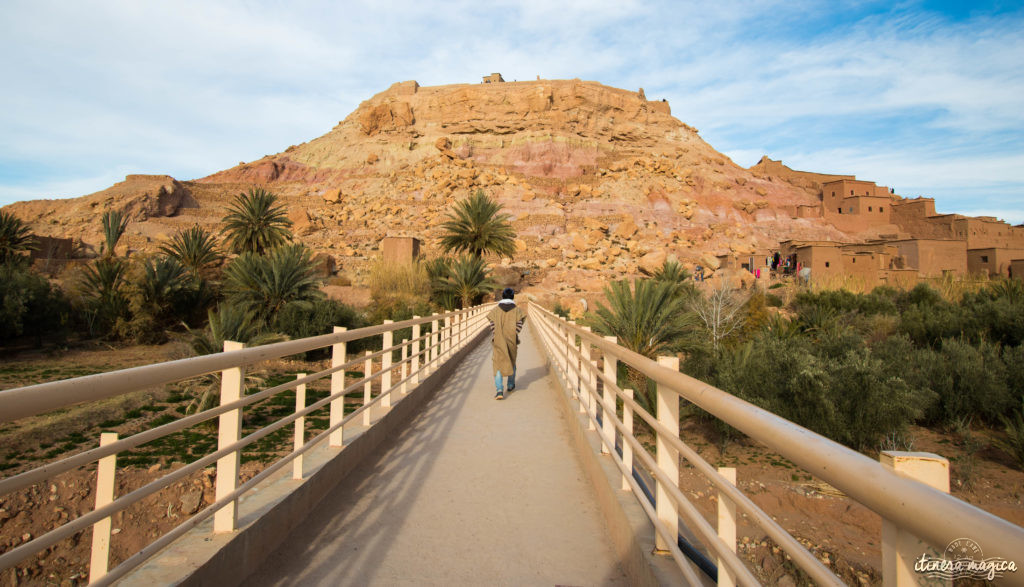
x,y
842,533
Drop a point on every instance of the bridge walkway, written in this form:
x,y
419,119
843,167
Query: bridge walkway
x,y
474,491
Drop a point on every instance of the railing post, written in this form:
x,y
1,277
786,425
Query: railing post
x,y
416,346
300,425
338,357
901,548
573,368
726,527
229,429
106,472
627,448
405,365
668,456
385,367
587,381
608,399
434,341
367,388
446,338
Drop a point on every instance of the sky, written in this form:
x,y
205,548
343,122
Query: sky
x,y
925,97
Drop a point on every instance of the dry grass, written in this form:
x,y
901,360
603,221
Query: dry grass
x,y
398,279
952,288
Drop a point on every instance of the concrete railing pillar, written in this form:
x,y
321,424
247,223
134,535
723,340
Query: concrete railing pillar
x,y
338,357
608,399
587,382
229,431
405,366
726,527
416,346
434,341
627,448
367,387
385,367
300,426
901,548
668,456
572,365
106,472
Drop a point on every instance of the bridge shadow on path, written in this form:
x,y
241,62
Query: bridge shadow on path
x,y
473,491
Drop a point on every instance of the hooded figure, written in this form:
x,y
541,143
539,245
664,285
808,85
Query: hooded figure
x,y
508,321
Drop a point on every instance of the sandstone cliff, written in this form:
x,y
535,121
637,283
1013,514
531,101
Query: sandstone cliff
x,y
600,182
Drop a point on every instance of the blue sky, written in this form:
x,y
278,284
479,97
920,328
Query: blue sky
x,y
926,97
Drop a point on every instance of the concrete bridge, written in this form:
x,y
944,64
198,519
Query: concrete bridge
x,y
432,481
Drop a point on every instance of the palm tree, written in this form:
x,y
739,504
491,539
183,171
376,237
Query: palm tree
x,y
114,224
14,238
478,227
467,280
156,297
227,322
671,271
255,224
649,319
194,248
102,290
265,284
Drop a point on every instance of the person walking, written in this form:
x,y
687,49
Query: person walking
x,y
508,320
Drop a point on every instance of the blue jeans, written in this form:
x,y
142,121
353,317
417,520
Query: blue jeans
x,y
511,380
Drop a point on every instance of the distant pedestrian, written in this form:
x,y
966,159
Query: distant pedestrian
x,y
508,320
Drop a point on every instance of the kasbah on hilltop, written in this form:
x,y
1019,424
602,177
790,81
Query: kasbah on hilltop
x,y
601,183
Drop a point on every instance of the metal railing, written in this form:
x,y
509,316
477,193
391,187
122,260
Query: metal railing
x,y
907,506
421,355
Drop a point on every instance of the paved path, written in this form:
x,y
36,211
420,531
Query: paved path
x,y
475,492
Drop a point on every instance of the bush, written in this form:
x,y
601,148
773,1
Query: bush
x,y
969,381
29,305
320,317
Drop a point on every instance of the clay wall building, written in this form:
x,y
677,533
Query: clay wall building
x,y
493,78
986,232
993,260
933,258
823,258
1017,269
918,219
48,247
400,249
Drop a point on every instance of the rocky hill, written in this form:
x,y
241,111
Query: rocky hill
x,y
600,182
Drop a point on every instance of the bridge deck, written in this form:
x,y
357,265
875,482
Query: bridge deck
x,y
475,491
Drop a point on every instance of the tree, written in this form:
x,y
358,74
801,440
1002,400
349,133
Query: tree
x,y
264,284
468,280
15,238
227,322
194,248
649,319
255,224
478,227
101,290
672,272
159,292
721,311
115,222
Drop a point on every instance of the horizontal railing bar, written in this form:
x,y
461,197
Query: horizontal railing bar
x,y
857,476
690,513
31,400
800,555
48,470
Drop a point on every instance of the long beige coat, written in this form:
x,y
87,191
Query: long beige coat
x,y
507,320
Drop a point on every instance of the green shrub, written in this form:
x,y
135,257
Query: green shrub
x,y
319,317
29,305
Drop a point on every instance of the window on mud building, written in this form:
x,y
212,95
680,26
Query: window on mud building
x,y
851,192
851,210
826,263
880,208
840,210
869,209
984,258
